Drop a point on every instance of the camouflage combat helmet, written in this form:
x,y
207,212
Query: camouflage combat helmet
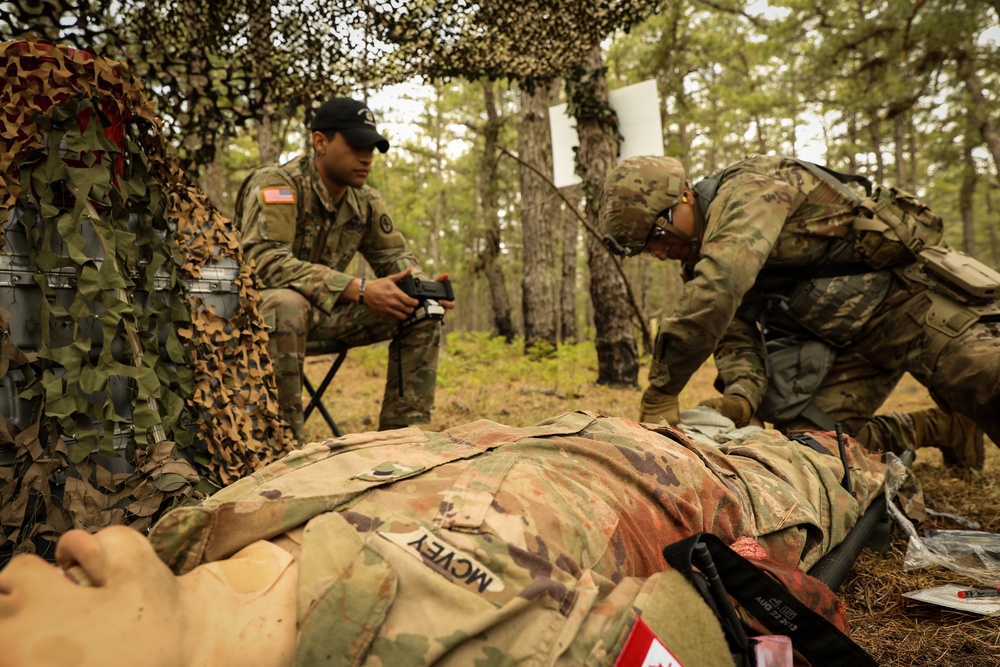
x,y
638,196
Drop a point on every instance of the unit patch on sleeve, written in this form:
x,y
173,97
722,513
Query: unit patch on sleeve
x,y
385,222
278,196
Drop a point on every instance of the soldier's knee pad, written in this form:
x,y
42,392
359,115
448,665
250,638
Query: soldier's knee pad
x,y
285,309
423,332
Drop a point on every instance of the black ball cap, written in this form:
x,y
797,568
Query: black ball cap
x,y
352,119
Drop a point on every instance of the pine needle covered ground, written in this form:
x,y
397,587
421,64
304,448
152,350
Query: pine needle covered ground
x,y
483,378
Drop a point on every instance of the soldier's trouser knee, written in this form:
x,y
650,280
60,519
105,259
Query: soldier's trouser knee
x,y
851,393
855,388
962,370
294,322
967,376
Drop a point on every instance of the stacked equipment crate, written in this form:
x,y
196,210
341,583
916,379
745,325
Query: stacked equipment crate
x,y
133,367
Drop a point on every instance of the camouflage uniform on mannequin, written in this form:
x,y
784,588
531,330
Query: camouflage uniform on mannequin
x,y
487,544
302,237
771,246
480,545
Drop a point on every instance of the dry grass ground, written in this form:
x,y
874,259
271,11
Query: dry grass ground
x,y
485,379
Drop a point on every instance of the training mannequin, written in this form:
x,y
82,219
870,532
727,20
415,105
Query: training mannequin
x,y
481,543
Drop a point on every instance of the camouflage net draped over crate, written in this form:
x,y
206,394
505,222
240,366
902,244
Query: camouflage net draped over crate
x,y
215,65
112,235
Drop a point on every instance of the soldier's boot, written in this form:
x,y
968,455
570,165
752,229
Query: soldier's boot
x,y
957,436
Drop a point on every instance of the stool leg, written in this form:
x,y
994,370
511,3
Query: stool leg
x,y
316,394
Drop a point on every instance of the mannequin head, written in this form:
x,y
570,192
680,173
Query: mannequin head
x,y
112,599
111,592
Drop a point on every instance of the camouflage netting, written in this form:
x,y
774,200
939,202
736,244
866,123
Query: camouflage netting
x,y
116,351
132,373
213,66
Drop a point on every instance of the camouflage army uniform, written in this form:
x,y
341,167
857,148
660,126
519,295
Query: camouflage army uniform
x,y
770,213
486,544
851,392
302,244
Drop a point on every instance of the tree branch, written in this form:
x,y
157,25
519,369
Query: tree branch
x,y
647,338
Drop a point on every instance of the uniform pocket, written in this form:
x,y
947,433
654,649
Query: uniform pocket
x,y
837,308
464,506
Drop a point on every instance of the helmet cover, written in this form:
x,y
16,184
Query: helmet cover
x,y
636,192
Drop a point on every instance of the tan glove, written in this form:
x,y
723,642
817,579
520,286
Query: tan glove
x,y
735,408
659,407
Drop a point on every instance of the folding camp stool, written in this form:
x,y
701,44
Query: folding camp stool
x,y
315,348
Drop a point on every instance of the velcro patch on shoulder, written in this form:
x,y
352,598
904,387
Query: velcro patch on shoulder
x,y
644,649
278,196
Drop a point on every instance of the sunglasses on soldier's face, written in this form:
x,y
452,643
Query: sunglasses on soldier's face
x,y
616,248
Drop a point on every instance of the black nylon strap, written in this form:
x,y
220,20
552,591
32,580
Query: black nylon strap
x,y
811,442
771,603
820,271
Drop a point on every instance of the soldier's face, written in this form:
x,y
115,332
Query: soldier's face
x,y
342,163
664,245
116,605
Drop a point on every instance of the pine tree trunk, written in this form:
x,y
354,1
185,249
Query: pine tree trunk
x,y
210,181
539,220
260,34
968,189
567,290
489,201
617,356
899,134
266,149
979,109
438,209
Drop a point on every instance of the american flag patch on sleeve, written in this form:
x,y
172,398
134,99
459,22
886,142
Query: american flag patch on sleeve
x,y
278,196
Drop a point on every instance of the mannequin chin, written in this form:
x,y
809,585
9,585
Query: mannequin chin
x,y
111,599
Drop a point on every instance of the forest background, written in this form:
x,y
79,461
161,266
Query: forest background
x,y
904,92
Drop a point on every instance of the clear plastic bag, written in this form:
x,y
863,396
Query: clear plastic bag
x,y
972,553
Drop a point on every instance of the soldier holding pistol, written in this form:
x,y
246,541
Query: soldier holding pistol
x,y
302,224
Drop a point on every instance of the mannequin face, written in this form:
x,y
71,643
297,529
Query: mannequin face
x,y
48,618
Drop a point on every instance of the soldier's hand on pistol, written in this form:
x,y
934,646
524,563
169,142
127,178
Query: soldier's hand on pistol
x,y
446,304
384,296
659,407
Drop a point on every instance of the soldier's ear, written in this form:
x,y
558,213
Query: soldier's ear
x,y
319,142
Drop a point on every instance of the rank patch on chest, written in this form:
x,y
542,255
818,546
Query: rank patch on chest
x,y
278,196
453,564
